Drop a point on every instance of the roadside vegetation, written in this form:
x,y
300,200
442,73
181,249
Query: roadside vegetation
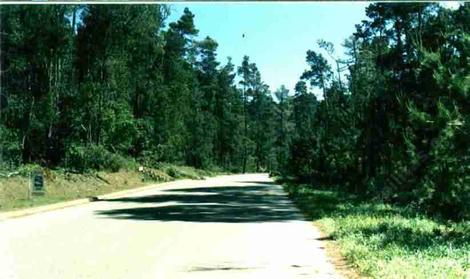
x,y
104,86
386,241
384,170
96,90
90,93
63,185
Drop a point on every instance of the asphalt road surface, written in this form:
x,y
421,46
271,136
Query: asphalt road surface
x,y
237,226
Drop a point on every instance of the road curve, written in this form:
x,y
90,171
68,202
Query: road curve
x,y
237,226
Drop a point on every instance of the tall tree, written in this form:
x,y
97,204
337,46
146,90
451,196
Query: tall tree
x,y
283,127
33,79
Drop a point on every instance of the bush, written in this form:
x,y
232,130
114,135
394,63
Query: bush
x,y
155,175
11,150
95,157
25,170
176,171
173,172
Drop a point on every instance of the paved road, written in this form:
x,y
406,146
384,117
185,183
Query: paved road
x,y
239,226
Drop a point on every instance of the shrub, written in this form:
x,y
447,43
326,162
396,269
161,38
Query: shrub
x,y
155,175
11,150
95,157
173,172
25,170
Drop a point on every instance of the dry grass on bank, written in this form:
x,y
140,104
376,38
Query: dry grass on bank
x,y
64,186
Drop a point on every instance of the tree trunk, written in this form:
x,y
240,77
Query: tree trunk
x,y
245,130
25,148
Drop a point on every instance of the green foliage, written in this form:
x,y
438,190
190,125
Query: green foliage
x,y
98,80
27,169
384,241
178,172
95,157
82,84
399,131
10,150
155,175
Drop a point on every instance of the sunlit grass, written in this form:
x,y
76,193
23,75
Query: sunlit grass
x,y
384,241
64,186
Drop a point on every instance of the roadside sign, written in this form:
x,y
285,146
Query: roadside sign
x,y
37,183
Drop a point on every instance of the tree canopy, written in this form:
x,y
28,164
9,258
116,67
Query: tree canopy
x,y
85,82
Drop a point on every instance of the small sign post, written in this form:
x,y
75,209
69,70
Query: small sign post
x,y
37,184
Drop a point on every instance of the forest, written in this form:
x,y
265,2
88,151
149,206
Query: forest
x,y
92,87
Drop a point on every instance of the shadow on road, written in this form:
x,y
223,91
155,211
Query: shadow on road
x,y
228,204
259,182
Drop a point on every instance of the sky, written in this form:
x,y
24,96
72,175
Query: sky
x,y
277,35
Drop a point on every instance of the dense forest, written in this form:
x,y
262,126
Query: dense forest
x,y
94,86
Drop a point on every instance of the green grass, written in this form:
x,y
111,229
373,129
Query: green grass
x,y
384,241
64,186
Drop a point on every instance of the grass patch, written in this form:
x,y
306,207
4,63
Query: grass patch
x,y
63,186
176,171
384,241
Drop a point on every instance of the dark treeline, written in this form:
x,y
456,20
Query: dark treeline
x,y
84,85
398,127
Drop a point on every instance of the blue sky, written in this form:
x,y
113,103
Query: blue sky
x,y
277,35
